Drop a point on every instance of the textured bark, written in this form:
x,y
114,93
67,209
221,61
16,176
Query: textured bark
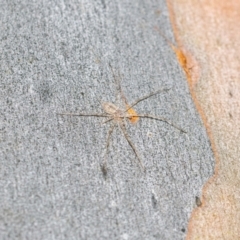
x,y
55,58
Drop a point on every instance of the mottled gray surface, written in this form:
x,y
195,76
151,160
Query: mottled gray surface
x,y
55,57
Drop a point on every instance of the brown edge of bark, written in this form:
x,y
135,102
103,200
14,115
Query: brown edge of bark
x,y
197,210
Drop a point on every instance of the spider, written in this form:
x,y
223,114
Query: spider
x,y
119,117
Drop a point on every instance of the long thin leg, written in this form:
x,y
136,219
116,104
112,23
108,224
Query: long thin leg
x,y
108,120
147,96
85,114
108,143
161,119
124,130
118,86
165,38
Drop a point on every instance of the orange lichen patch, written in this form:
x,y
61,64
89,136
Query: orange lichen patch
x,y
189,65
182,59
133,113
186,61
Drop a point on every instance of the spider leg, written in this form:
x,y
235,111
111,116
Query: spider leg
x,y
161,119
108,120
107,147
147,96
165,38
124,130
118,86
84,114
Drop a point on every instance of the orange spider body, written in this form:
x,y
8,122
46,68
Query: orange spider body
x,y
133,113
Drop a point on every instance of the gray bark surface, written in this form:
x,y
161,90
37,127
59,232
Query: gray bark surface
x,y
55,58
